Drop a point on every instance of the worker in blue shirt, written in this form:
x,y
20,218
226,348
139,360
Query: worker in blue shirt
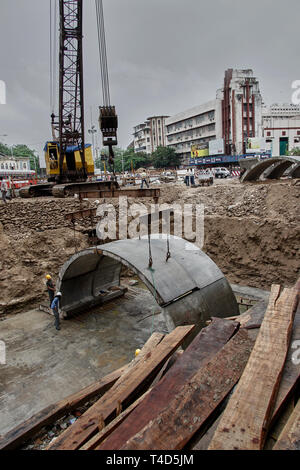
x,y
55,308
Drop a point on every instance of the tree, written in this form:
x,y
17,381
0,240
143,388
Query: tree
x,y
124,159
165,157
295,152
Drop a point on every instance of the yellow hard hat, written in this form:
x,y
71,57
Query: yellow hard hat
x,y
137,351
48,276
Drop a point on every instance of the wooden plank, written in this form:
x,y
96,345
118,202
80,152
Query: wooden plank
x,y
100,436
197,400
204,346
253,317
31,426
291,372
102,194
289,439
125,389
247,416
205,440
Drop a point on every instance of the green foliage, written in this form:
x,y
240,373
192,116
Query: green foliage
x,y
165,157
123,159
295,152
22,150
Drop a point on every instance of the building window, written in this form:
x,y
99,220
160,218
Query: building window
x,y
269,134
298,132
283,133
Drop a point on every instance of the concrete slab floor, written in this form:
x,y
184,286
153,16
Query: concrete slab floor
x,y
44,365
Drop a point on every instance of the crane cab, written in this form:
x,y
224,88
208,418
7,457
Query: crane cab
x,y
72,163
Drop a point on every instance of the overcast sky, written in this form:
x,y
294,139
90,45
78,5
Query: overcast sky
x,y
164,56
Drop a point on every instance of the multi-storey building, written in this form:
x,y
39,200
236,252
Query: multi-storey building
x,y
241,110
194,127
234,116
150,134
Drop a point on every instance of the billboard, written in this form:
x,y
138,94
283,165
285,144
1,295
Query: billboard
x,y
196,152
216,147
256,145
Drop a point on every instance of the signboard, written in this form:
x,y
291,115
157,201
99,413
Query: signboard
x,y
256,145
196,152
224,159
216,147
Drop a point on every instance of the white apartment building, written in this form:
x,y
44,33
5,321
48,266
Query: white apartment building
x,y
14,164
150,134
283,111
281,128
282,134
194,127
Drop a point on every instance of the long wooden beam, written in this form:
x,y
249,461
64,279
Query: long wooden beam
x,y
173,428
101,194
126,389
247,416
291,372
289,438
206,344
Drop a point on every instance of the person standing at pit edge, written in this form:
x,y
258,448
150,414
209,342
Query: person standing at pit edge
x,y
50,288
3,189
55,308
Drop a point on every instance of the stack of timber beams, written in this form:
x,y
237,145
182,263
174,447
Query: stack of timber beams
x,y
228,389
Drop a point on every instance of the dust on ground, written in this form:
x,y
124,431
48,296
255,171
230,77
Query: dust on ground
x,y
251,233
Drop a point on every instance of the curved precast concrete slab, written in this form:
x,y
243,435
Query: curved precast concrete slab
x,y
189,287
256,170
278,170
295,171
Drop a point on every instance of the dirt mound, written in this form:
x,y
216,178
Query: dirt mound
x,y
251,232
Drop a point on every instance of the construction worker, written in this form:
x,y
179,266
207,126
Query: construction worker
x,y
144,179
50,288
3,188
55,308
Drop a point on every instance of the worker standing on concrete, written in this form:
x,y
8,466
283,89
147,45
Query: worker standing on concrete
x,y
192,177
187,178
3,188
50,288
55,308
144,179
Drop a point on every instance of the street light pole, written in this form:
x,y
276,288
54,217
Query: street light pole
x,y
92,131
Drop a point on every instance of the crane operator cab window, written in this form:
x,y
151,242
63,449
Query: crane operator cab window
x,y
53,158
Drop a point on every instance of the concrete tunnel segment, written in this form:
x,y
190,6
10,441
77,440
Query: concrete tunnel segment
x,y
279,166
189,287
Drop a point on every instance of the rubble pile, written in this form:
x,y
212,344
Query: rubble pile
x,y
251,231
21,217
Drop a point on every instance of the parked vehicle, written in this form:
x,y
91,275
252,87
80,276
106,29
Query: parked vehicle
x,y
222,173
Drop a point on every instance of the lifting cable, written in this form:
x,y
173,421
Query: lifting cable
x,y
102,52
53,46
